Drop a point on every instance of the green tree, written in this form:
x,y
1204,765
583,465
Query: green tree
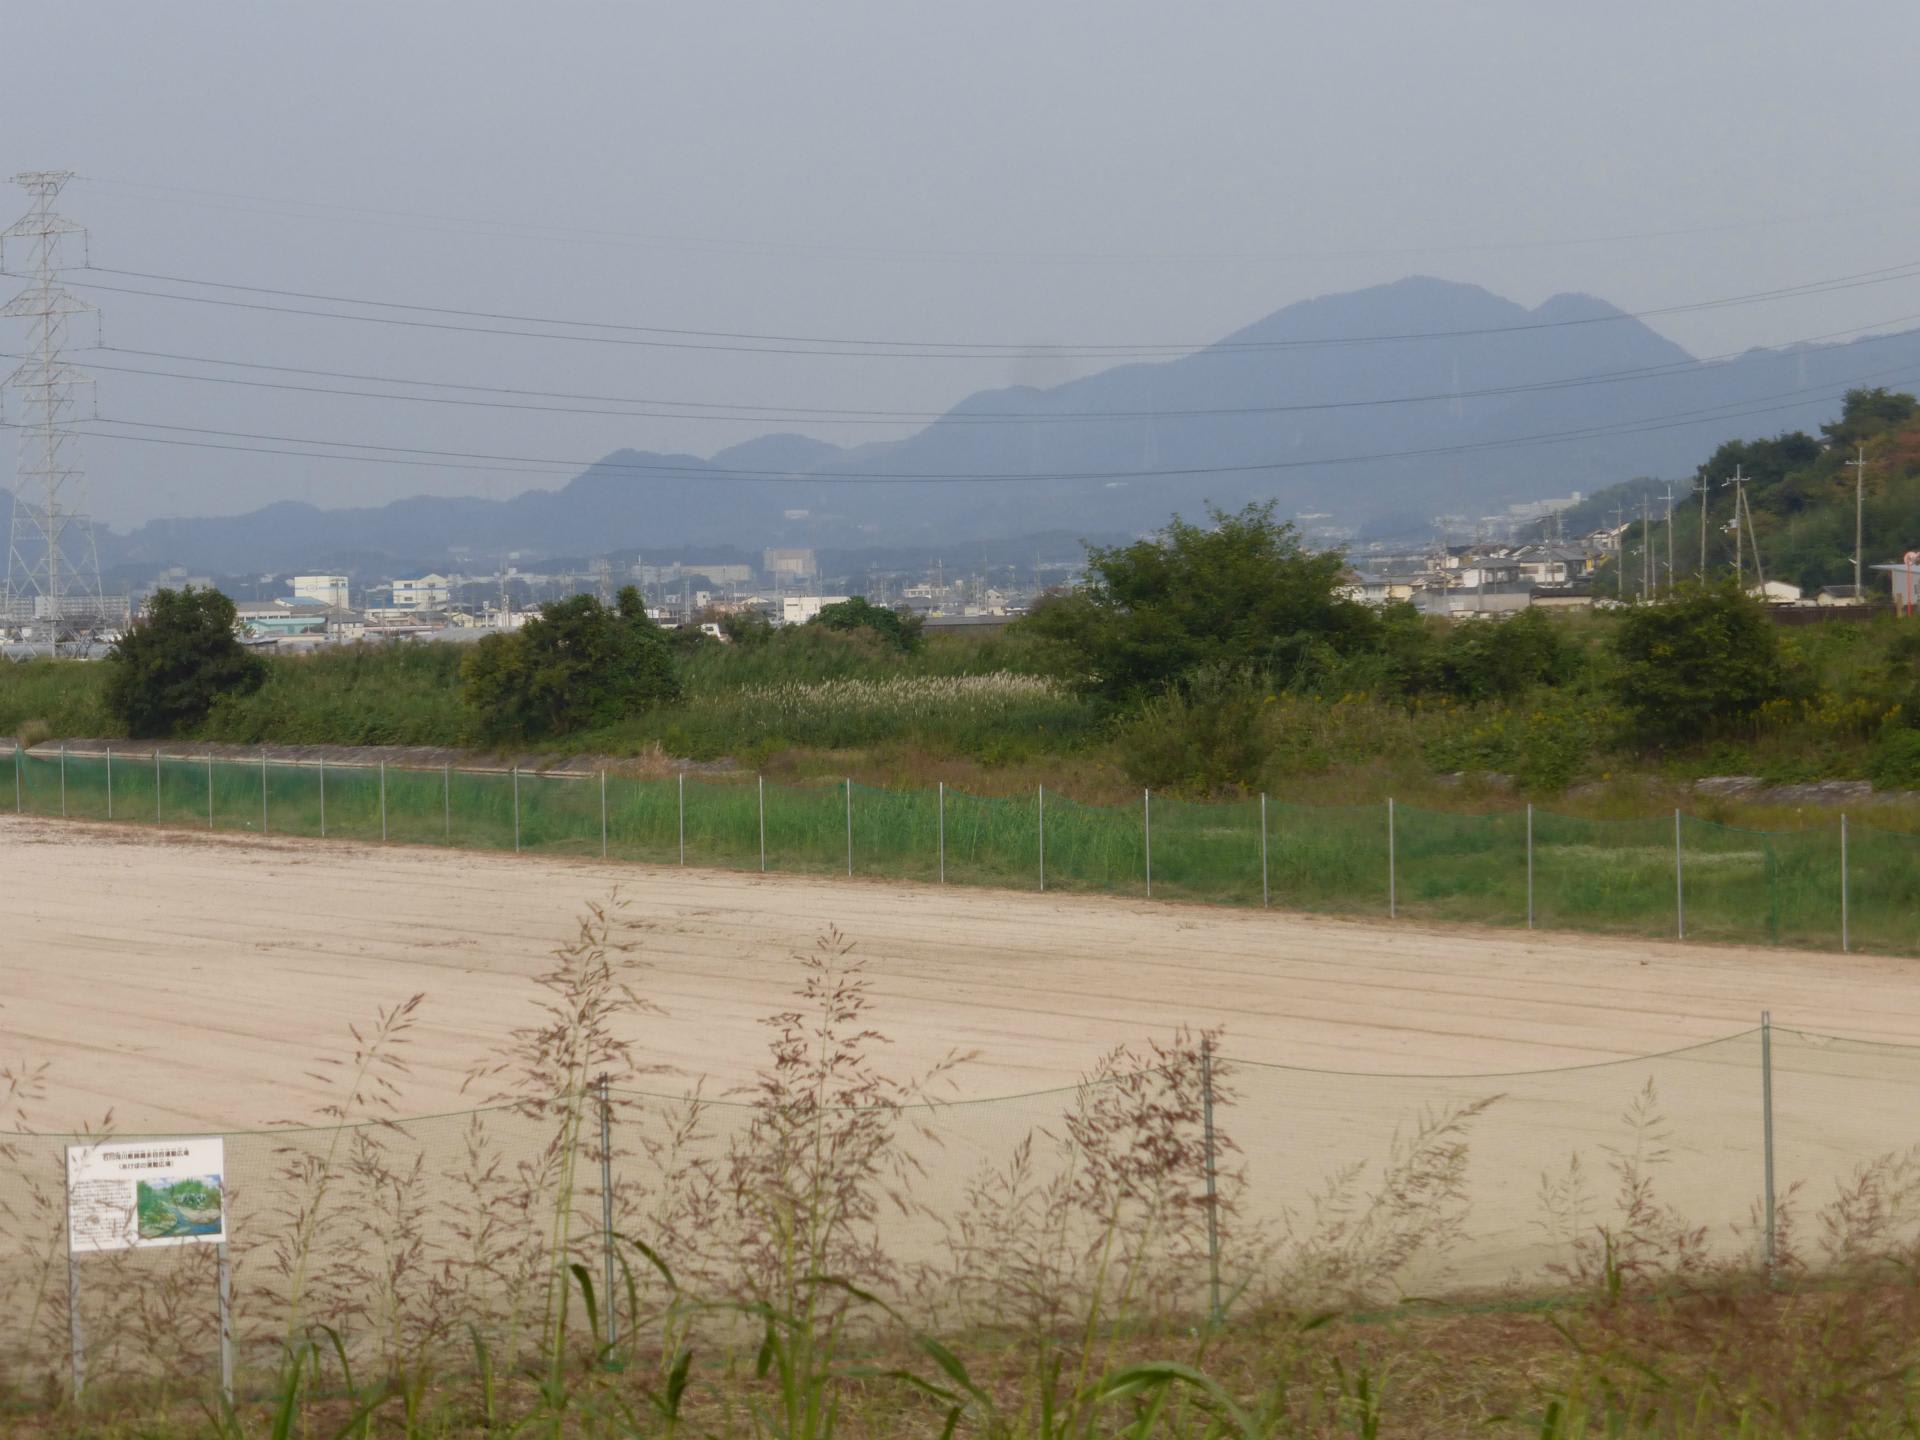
x,y
575,666
1867,413
180,656
1239,595
860,613
1499,660
747,628
1696,665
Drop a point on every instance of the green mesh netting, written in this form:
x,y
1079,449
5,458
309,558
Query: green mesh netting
x,y
1657,877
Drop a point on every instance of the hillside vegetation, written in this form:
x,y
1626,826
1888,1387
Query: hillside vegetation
x,y
1801,493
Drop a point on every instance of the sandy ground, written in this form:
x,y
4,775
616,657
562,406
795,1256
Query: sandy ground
x,y
189,982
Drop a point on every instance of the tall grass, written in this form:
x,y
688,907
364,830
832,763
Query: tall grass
x,y
788,1262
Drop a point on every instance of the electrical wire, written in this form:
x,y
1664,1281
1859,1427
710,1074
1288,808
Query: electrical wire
x,y
455,459
232,201
651,337
792,414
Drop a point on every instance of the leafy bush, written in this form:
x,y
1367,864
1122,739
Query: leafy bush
x,y
1207,738
896,627
1239,595
1227,732
176,660
1545,746
576,665
1697,665
746,627
1479,660
369,694
1895,761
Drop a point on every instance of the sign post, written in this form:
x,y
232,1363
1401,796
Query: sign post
x,y
143,1195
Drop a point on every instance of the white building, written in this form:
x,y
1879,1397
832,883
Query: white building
x,y
799,609
429,592
1378,589
328,590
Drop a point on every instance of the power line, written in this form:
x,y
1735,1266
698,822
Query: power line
x,y
790,414
663,337
547,232
456,459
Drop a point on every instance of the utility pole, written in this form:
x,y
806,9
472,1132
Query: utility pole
x,y
1705,487
1739,483
52,564
1620,555
1669,537
1646,550
1745,508
1859,467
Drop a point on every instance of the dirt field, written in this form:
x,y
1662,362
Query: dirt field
x,y
188,981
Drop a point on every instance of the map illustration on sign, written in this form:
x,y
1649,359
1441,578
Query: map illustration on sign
x,y
131,1194
172,1209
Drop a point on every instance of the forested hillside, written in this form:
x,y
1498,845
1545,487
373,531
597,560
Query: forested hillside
x,y
1800,501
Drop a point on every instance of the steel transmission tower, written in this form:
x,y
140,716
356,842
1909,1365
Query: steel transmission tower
x,y
53,568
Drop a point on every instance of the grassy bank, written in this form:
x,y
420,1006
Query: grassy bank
x,y
1000,715
1533,866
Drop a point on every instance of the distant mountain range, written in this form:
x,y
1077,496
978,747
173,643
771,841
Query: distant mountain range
x,y
1385,407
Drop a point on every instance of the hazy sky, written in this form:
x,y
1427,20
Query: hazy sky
x,y
1016,173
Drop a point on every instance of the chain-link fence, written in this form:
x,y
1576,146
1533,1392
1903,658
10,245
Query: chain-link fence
x,y
1212,1185
1843,886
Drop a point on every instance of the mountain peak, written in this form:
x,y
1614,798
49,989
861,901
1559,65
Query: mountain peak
x,y
1413,305
1573,305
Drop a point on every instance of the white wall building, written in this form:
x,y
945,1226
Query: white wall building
x,y
799,609
429,592
328,590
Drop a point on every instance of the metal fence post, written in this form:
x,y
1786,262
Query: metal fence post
x,y
1766,1124
1043,839
63,782
1146,821
683,817
763,822
603,829
263,792
383,802
606,1206
110,783
1265,897
1845,939
1529,865
516,809
1679,883
323,797
16,776
156,793
1393,897
209,792
446,798
1213,1195
943,832
849,825
224,1295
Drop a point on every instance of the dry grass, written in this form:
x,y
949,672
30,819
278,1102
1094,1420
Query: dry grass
x,y
780,1265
